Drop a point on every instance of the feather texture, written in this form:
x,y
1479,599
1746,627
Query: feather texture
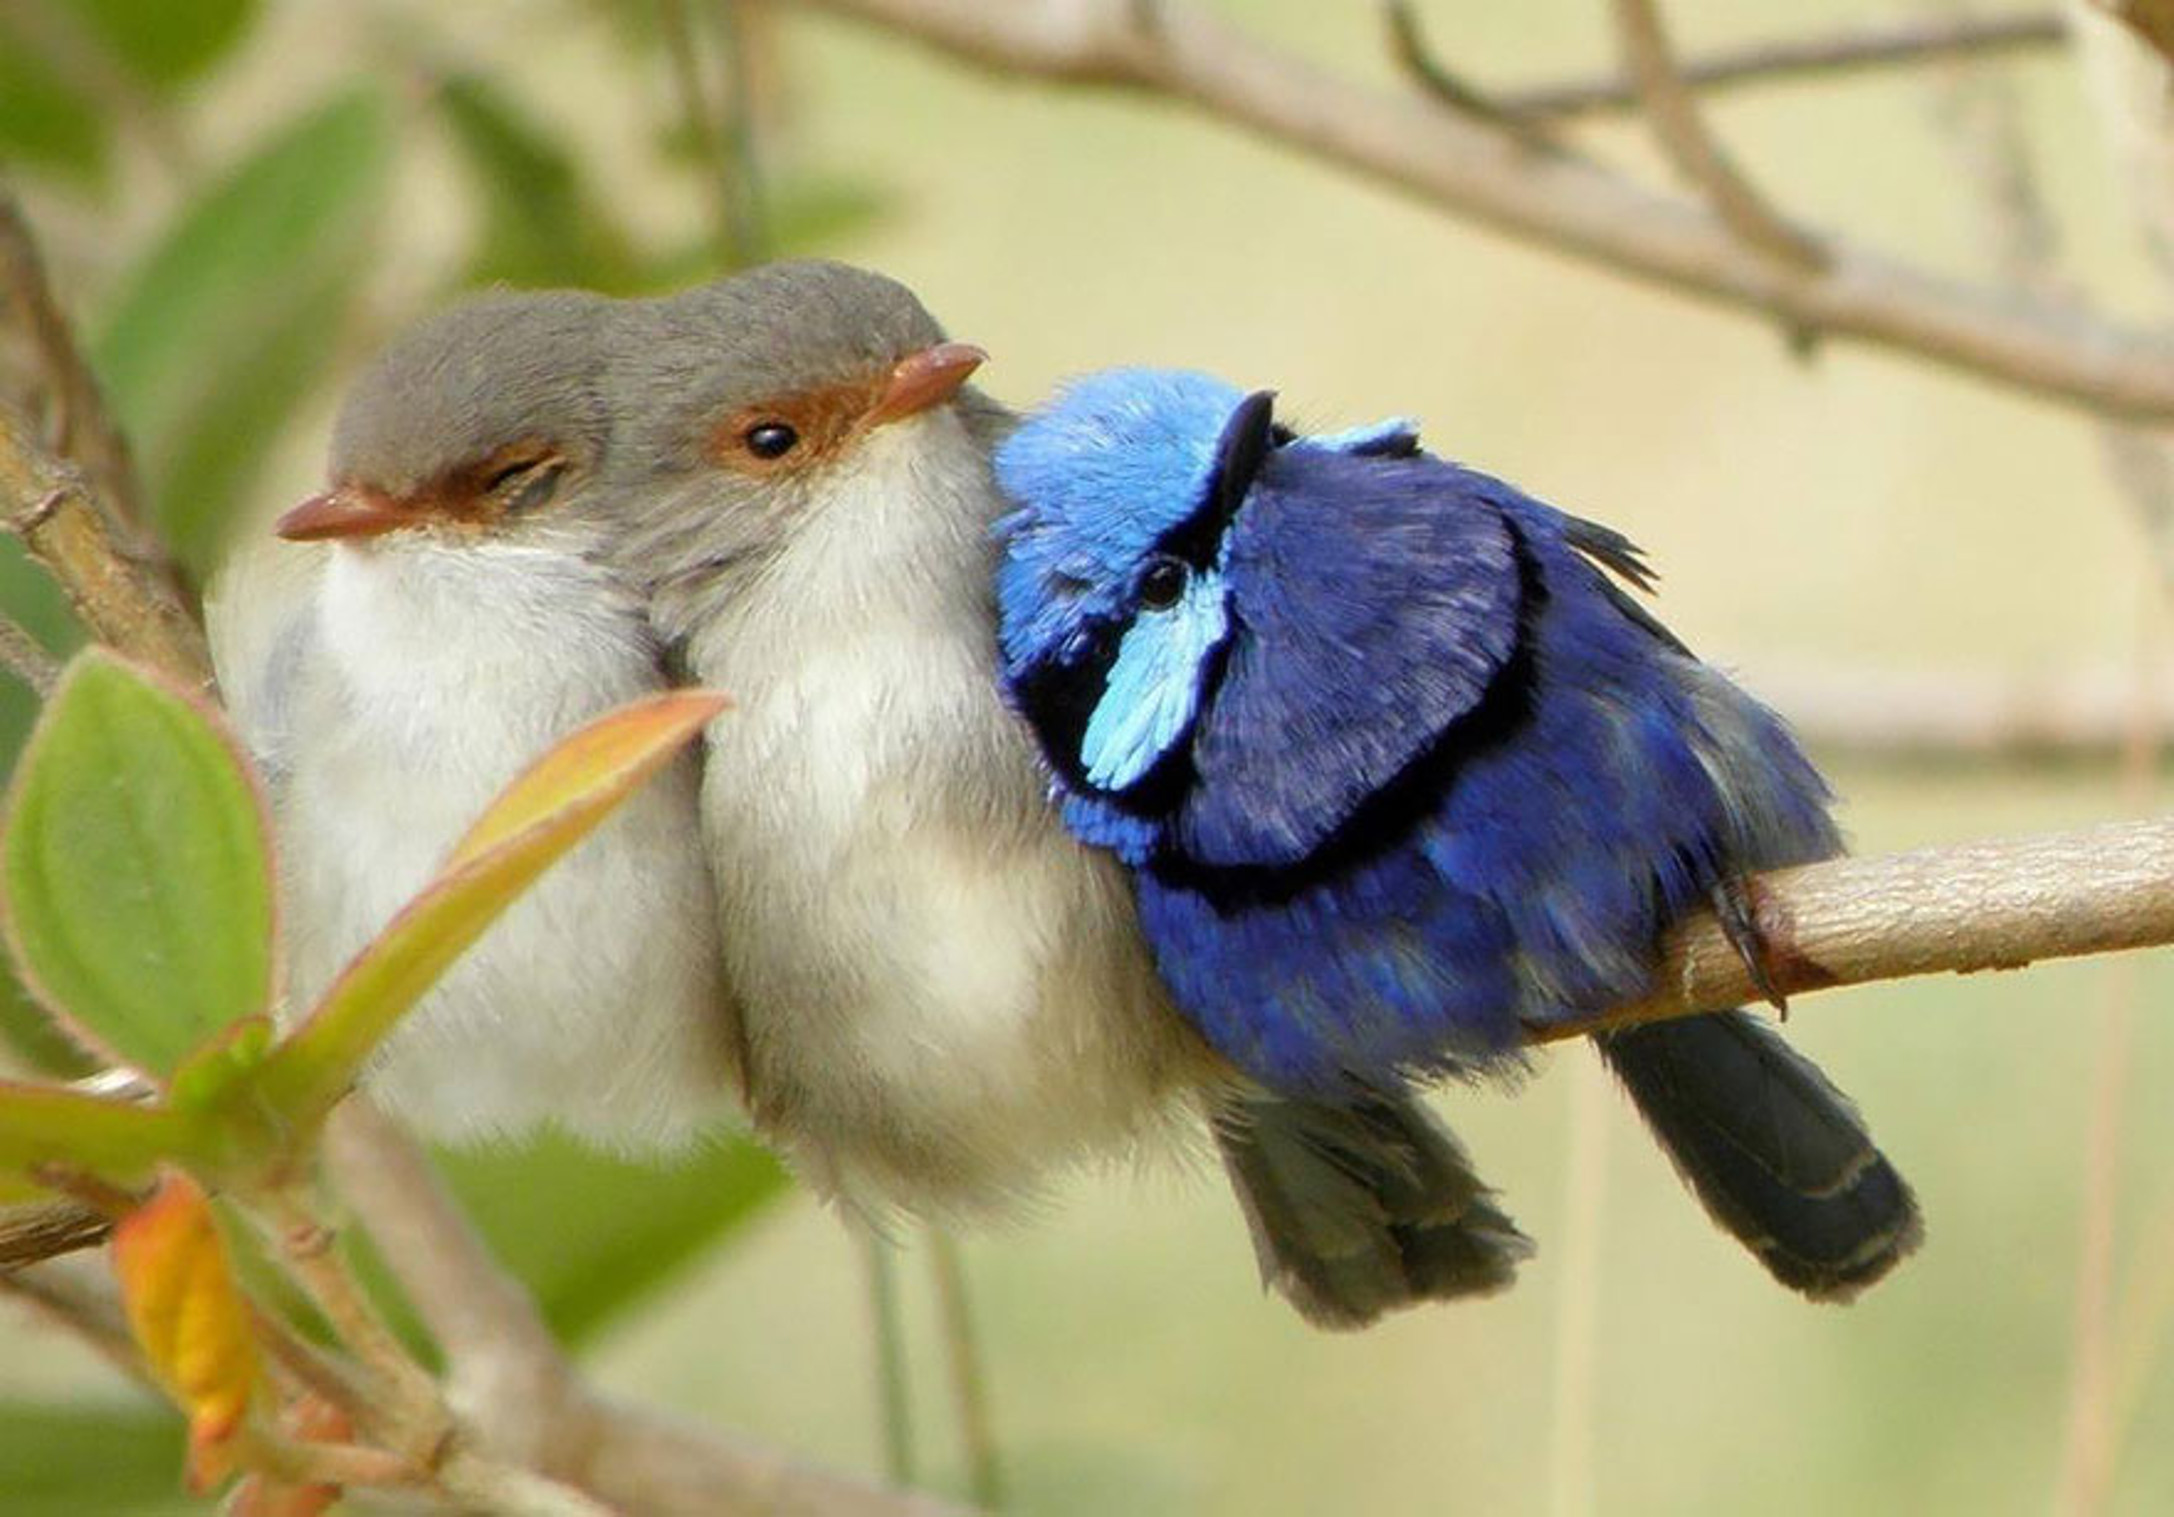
x,y
1442,781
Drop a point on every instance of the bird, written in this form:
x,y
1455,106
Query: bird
x,y
947,998
411,639
1401,771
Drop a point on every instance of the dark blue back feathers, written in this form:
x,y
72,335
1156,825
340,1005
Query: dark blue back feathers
x,y
1398,767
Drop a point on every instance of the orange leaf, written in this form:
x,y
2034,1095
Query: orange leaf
x,y
189,1319
306,1419
597,761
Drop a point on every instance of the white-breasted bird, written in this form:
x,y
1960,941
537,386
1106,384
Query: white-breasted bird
x,y
432,623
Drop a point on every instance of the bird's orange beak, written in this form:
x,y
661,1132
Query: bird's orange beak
x,y
925,379
348,511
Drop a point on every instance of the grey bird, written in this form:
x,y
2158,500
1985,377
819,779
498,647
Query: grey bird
x,y
944,996
427,627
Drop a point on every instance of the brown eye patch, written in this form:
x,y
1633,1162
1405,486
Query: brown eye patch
x,y
790,431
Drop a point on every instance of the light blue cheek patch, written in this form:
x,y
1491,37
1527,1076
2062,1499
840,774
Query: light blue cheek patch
x,y
1153,687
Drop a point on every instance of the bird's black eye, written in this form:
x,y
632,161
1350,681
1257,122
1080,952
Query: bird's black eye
x,y
770,439
1163,581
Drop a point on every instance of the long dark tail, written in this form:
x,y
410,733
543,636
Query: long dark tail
x,y
1777,1155
1360,1208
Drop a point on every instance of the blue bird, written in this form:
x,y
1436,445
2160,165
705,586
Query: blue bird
x,y
1400,771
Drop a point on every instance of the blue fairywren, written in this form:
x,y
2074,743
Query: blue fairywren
x,y
1399,771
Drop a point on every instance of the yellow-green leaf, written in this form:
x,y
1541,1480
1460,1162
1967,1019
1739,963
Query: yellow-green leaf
x,y
557,802
189,1319
137,888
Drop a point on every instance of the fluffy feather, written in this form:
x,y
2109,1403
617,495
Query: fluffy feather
x,y
1442,781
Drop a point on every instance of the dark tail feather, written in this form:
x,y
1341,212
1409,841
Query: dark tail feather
x,y
1777,1155
1360,1208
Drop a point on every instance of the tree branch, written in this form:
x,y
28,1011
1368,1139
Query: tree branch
x,y
1674,116
1989,905
125,601
1918,40
1560,202
63,394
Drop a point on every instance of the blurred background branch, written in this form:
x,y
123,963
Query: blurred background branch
x,y
1469,169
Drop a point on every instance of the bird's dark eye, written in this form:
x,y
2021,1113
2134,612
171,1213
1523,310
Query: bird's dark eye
x,y
770,439
1163,581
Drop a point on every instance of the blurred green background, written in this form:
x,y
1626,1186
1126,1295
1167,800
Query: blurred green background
x,y
239,200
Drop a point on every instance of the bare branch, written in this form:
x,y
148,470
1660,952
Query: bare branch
x,y
2083,713
25,657
1989,905
1917,40
29,1234
1408,45
506,1375
125,601
65,396
1698,157
1563,202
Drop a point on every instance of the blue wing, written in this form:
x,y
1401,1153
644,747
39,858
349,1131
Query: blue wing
x,y
1372,608
1522,863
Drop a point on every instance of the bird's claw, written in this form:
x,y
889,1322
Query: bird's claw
x,y
1740,924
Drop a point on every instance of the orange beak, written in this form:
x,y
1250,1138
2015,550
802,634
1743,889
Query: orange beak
x,y
348,511
927,378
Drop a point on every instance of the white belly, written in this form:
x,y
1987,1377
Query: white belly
x,y
596,1001
945,994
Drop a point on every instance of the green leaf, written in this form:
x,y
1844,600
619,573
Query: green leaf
x,y
134,870
44,121
64,1461
162,42
119,1141
593,1236
29,596
232,316
542,224
557,802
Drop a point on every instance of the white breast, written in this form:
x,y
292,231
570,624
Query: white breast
x,y
945,993
428,677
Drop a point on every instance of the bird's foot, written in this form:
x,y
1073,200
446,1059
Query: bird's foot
x,y
1739,922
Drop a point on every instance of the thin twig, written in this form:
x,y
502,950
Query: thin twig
x,y
894,1390
506,1375
1673,113
404,1404
34,1233
25,657
1559,201
126,602
79,426
1886,45
1572,1483
1408,46
969,1379
1998,904
746,226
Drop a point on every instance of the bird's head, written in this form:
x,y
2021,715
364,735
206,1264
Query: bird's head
x,y
485,423
746,403
1211,622
1113,605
